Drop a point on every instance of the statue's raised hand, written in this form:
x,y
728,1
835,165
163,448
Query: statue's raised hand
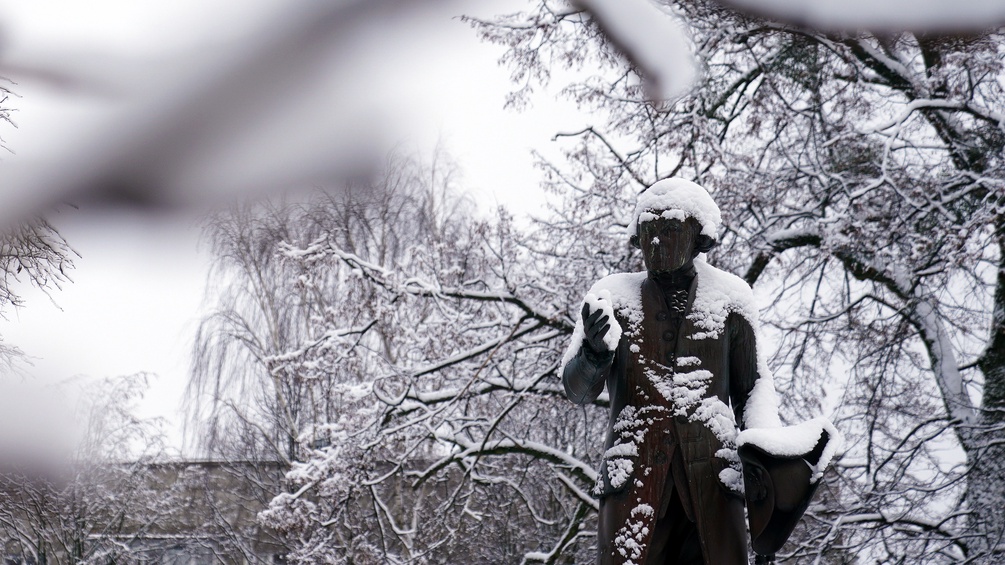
x,y
595,327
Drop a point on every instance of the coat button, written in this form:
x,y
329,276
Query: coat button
x,y
669,335
661,316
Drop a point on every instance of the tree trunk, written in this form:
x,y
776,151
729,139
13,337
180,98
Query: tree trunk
x,y
986,445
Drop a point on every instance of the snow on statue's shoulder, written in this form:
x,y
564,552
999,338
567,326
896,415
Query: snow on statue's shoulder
x,y
620,297
717,295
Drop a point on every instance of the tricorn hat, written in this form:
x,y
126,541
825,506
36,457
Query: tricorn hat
x,y
778,490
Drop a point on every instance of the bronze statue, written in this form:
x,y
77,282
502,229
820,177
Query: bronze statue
x,y
676,348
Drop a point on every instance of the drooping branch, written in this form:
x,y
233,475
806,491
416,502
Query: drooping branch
x,y
778,243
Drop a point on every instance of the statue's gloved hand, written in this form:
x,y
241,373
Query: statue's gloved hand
x,y
584,374
595,327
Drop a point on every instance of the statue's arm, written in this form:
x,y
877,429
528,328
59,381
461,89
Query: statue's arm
x,y
585,374
743,372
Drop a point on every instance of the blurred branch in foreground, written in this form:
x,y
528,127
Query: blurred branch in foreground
x,y
282,108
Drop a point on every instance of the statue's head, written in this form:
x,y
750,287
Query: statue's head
x,y
674,221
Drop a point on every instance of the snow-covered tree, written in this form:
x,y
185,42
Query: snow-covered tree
x,y
401,354
80,491
861,181
408,375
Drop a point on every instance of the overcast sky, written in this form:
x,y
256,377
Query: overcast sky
x,y
138,289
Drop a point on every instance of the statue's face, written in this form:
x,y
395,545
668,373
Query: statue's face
x,y
668,244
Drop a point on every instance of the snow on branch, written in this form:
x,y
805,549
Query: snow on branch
x,y
653,38
468,449
418,286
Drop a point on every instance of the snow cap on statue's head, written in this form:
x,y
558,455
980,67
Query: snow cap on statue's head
x,y
679,198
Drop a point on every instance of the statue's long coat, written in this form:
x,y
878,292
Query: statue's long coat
x,y
670,390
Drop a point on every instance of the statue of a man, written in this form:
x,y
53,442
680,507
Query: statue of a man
x,y
676,347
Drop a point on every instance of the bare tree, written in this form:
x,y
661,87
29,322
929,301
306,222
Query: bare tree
x,y
34,252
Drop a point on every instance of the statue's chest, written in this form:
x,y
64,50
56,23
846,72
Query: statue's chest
x,y
668,361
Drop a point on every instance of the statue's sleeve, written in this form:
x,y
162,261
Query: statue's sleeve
x,y
743,372
585,374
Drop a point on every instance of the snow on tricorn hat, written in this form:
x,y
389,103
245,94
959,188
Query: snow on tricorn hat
x,y
677,198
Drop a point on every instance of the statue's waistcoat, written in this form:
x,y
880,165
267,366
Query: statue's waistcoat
x,y
655,411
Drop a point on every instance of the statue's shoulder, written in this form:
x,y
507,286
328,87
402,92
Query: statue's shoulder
x,y
625,291
723,282
719,293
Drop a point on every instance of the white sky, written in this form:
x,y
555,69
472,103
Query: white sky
x,y
137,291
